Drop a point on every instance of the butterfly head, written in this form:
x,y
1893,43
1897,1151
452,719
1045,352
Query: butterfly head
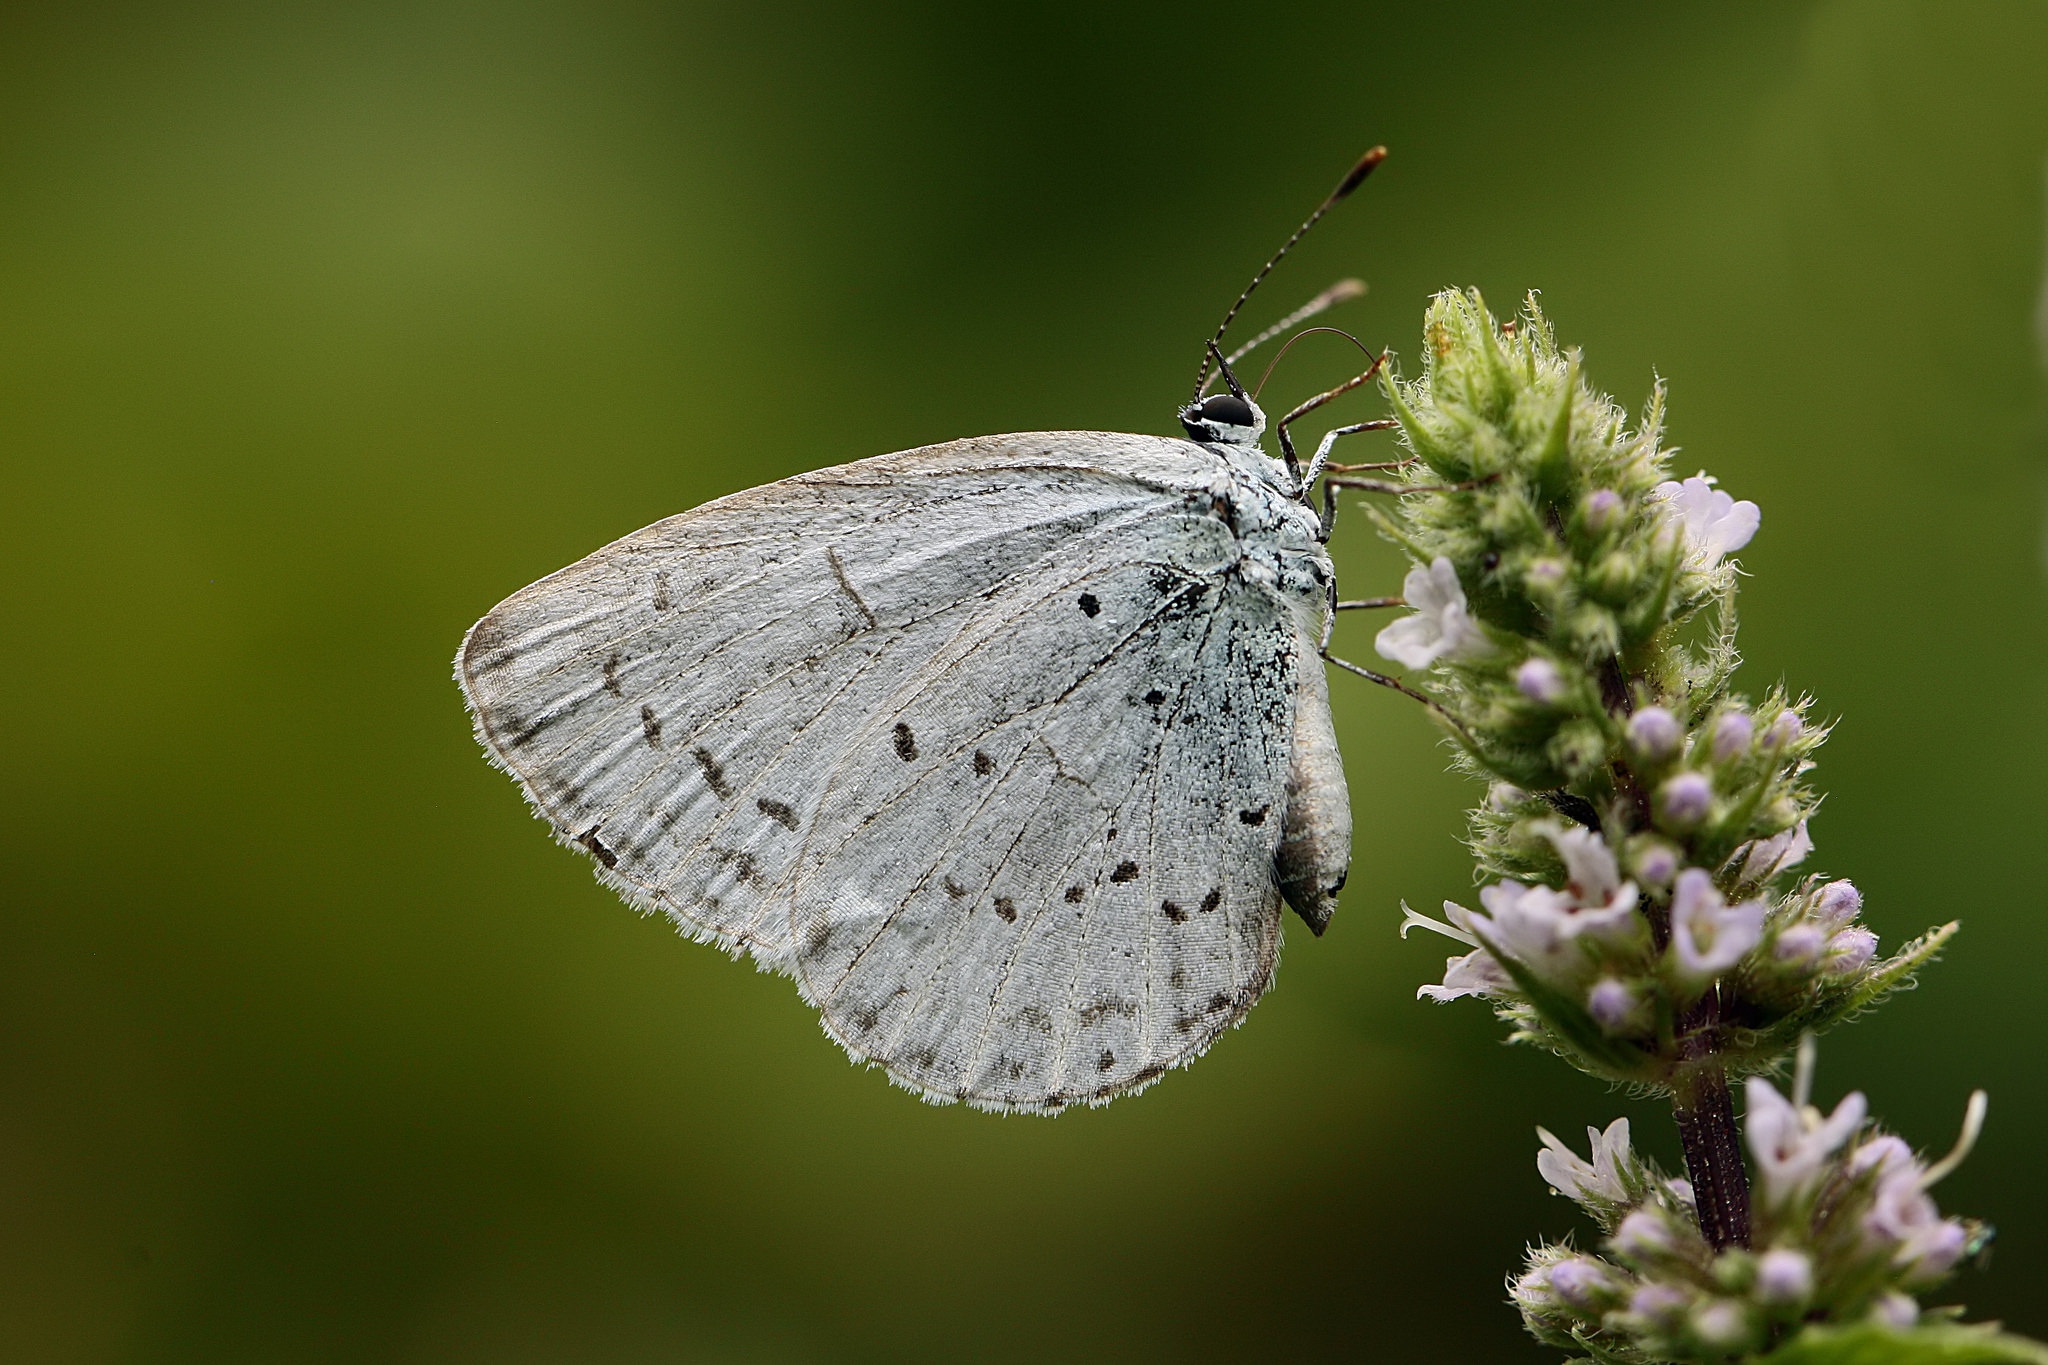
x,y
1229,419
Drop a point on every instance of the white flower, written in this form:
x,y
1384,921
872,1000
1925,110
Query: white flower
x,y
1603,1179
1441,627
1792,1143
1714,524
1708,935
1476,973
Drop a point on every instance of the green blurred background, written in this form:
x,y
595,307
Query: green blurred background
x,y
324,326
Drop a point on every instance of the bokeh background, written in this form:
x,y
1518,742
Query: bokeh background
x,y
324,326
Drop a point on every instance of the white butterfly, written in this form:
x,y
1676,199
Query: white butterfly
x,y
1007,750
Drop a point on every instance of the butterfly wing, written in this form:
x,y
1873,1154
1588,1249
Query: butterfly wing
x,y
758,717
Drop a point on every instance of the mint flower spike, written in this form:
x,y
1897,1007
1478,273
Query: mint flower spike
x,y
1644,910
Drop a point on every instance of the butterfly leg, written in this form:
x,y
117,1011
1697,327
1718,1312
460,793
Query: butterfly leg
x,y
1321,459
1405,690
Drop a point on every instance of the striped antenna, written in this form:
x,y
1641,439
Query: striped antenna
x,y
1350,182
1343,291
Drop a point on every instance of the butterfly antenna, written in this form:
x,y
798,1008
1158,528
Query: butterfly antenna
x,y
1350,182
1343,291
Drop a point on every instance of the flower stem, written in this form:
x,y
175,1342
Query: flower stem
x,y
1707,1130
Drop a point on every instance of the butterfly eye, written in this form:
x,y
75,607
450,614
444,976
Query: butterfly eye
x,y
1229,409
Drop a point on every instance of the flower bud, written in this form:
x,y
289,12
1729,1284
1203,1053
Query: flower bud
x,y
1733,733
1800,945
1656,862
1611,1003
1838,903
1654,733
1784,1278
1687,798
1599,509
1539,681
1583,1283
1785,728
1659,1304
1895,1310
1723,1325
1545,575
1503,797
1850,951
1644,1236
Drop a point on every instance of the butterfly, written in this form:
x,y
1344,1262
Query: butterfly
x,y
1008,750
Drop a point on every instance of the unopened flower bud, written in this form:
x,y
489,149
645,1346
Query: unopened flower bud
x,y
1600,508
1722,1324
1545,575
1800,945
1654,732
1611,1003
1784,1278
1583,1283
1733,733
1785,728
1539,681
1895,1310
1656,862
1687,798
1838,903
1660,1304
1644,1236
1503,797
1851,950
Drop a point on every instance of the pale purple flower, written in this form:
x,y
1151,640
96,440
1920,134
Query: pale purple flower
x,y
1708,935
1800,944
1545,574
1851,950
1785,728
1442,626
1714,524
1762,859
1654,732
1687,798
1604,1179
1924,1245
1792,1144
1539,681
1784,1277
1599,509
1611,1003
1838,903
1895,1310
1734,732
1540,926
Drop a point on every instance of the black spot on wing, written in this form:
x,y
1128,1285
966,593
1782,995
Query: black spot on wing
x,y
662,601
1089,605
611,676
906,743
597,847
1253,817
1211,901
778,812
1106,1060
650,726
1126,871
1006,909
1173,912
1154,697
714,772
1075,893
983,764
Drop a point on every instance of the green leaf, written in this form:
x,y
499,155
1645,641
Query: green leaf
x,y
1945,1344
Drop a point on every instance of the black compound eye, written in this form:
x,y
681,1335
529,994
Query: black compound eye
x,y
1228,409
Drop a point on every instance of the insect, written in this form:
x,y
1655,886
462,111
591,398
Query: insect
x,y
1007,750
